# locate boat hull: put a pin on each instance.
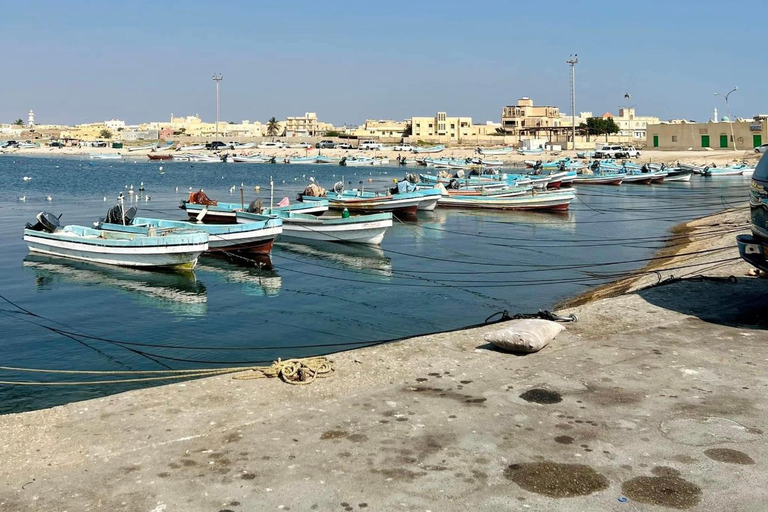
(370, 233)
(540, 202)
(180, 257)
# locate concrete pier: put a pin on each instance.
(654, 400)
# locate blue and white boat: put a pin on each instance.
(200, 207)
(495, 151)
(361, 229)
(300, 159)
(177, 250)
(255, 235)
(430, 149)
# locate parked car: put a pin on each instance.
(369, 144)
(217, 144)
(300, 145)
(344, 145)
(763, 148)
(609, 152)
(325, 144)
(403, 147)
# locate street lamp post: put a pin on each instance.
(217, 78)
(728, 107)
(572, 62)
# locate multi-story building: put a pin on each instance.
(631, 125)
(527, 115)
(301, 126)
(442, 128)
(381, 128)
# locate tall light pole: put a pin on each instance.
(572, 62)
(217, 78)
(728, 107)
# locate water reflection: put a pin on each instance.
(256, 274)
(368, 258)
(178, 292)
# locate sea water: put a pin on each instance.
(442, 270)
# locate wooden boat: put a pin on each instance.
(361, 229)
(542, 201)
(201, 207)
(155, 156)
(178, 250)
(256, 234)
(612, 179)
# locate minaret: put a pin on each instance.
(714, 119)
(31, 119)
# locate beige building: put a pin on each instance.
(88, 131)
(193, 126)
(442, 128)
(683, 135)
(632, 125)
(304, 126)
(381, 128)
(527, 115)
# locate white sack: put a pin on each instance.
(529, 335)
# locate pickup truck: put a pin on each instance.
(631, 152)
(369, 144)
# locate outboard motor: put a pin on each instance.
(753, 248)
(116, 215)
(338, 187)
(454, 184)
(46, 222)
(343, 161)
(412, 178)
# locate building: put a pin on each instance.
(379, 129)
(31, 119)
(632, 125)
(685, 135)
(527, 115)
(301, 126)
(115, 125)
(442, 128)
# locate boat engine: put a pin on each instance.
(115, 215)
(46, 222)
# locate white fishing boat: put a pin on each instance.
(255, 159)
(245, 145)
(205, 159)
(430, 149)
(362, 229)
(495, 151)
(193, 147)
(178, 250)
(146, 147)
(105, 156)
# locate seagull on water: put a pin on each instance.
(22, 198)
(48, 198)
(27, 178)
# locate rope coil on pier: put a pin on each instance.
(290, 371)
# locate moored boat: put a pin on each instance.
(361, 229)
(256, 234)
(584, 179)
(542, 201)
(178, 250)
(155, 156)
(105, 156)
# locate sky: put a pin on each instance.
(139, 61)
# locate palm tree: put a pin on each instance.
(18, 122)
(273, 126)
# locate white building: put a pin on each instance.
(115, 125)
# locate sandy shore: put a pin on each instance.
(654, 400)
(719, 157)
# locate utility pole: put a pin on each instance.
(728, 106)
(217, 78)
(572, 62)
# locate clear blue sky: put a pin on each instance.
(87, 61)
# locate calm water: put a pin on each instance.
(447, 269)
